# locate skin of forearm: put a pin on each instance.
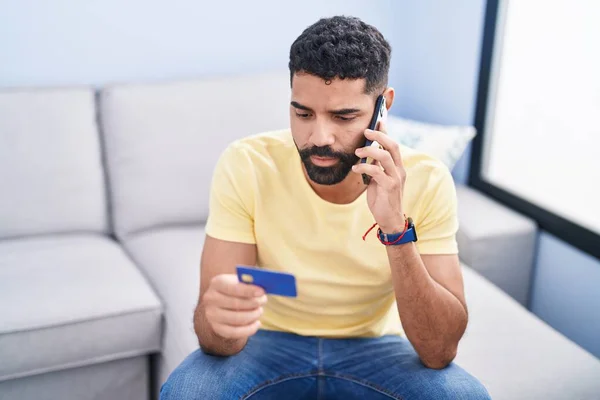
(433, 318)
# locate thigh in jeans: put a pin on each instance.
(389, 368)
(272, 365)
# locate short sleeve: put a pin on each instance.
(436, 230)
(231, 202)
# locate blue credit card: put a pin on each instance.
(277, 283)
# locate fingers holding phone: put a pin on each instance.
(377, 120)
(385, 143)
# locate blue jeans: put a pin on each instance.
(276, 365)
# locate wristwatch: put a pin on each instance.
(391, 239)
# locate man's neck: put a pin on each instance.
(344, 192)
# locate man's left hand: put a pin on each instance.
(384, 193)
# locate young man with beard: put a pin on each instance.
(376, 317)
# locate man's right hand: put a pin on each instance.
(233, 308)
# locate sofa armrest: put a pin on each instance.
(497, 242)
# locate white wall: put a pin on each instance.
(438, 63)
(66, 42)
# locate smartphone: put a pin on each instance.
(379, 114)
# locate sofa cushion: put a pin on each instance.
(171, 260)
(163, 141)
(518, 356)
(72, 300)
(51, 174)
(496, 241)
(447, 143)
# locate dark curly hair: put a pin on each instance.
(342, 47)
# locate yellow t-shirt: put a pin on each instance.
(260, 195)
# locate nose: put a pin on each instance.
(322, 134)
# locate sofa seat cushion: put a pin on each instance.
(518, 356)
(171, 260)
(72, 300)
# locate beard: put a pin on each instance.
(333, 174)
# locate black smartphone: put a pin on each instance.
(379, 114)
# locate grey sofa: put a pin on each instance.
(103, 196)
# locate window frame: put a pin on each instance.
(564, 229)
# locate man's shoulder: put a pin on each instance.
(265, 150)
(420, 161)
(423, 168)
(269, 143)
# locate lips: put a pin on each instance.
(324, 161)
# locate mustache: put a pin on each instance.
(324, 151)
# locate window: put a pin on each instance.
(538, 115)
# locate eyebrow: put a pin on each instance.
(343, 111)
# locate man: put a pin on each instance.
(295, 201)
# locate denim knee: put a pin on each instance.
(461, 386)
(192, 379)
(178, 385)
